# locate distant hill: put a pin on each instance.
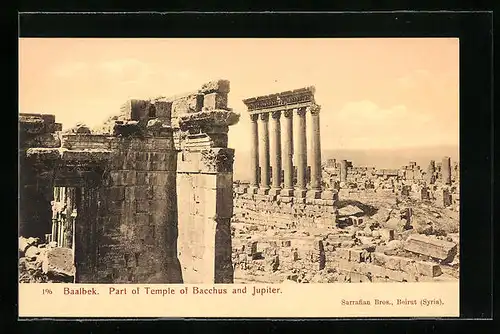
(394, 158)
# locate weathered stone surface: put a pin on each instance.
(393, 244)
(273, 262)
(163, 110)
(220, 86)
(343, 253)
(213, 101)
(187, 104)
(31, 252)
(386, 234)
(59, 262)
(428, 269)
(435, 248)
(24, 243)
(356, 255)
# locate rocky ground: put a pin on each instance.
(399, 241)
(44, 263)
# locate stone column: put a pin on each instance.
(315, 191)
(446, 170)
(254, 154)
(431, 169)
(276, 153)
(288, 154)
(300, 190)
(343, 170)
(264, 153)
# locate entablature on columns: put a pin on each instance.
(289, 100)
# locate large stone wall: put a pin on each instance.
(284, 212)
(35, 194)
(135, 180)
(137, 222)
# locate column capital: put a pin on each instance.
(301, 111)
(314, 109)
(276, 114)
(264, 116)
(288, 113)
(254, 117)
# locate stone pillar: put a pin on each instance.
(315, 191)
(288, 154)
(300, 190)
(205, 194)
(446, 170)
(431, 169)
(343, 170)
(276, 152)
(85, 236)
(254, 154)
(264, 153)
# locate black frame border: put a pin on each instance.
(475, 31)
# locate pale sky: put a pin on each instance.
(375, 93)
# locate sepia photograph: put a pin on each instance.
(316, 161)
(214, 166)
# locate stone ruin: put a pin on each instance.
(148, 198)
(286, 181)
(299, 220)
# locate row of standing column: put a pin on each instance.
(271, 157)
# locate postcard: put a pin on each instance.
(246, 177)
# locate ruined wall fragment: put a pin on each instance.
(205, 188)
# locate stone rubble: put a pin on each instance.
(44, 263)
(375, 250)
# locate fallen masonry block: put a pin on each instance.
(59, 262)
(356, 255)
(339, 237)
(374, 270)
(358, 278)
(347, 244)
(31, 252)
(345, 265)
(390, 262)
(23, 244)
(396, 275)
(409, 267)
(393, 244)
(344, 253)
(386, 234)
(428, 269)
(251, 248)
(435, 248)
